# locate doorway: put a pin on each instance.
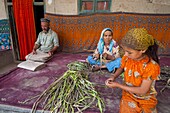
(38, 14)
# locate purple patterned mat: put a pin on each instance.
(20, 84)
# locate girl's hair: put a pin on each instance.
(152, 52)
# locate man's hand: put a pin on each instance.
(50, 53)
(34, 51)
(35, 48)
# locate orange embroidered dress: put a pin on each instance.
(135, 72)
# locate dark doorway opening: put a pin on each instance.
(38, 14)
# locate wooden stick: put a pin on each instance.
(90, 51)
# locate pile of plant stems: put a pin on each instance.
(71, 93)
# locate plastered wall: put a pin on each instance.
(141, 6)
(62, 7)
(69, 7)
(2, 10)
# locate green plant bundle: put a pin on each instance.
(71, 93)
(78, 66)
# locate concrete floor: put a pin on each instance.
(7, 62)
(7, 68)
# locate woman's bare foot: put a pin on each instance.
(95, 68)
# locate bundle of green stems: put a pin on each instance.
(71, 93)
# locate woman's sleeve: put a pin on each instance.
(96, 52)
(116, 52)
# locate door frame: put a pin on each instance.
(13, 32)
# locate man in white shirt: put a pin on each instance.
(46, 44)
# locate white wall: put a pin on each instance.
(2, 10)
(141, 6)
(70, 7)
(66, 7)
(166, 2)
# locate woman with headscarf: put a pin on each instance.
(141, 69)
(106, 54)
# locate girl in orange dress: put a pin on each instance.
(141, 69)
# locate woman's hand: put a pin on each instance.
(105, 56)
(110, 57)
(96, 56)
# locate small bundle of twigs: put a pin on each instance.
(71, 93)
(78, 66)
(165, 75)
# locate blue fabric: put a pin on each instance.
(5, 42)
(110, 66)
(92, 61)
(100, 45)
(113, 64)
